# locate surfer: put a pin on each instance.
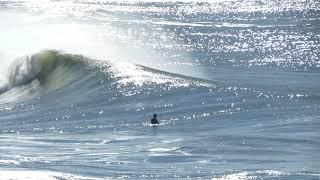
(154, 120)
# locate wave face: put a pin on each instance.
(41, 73)
(39, 66)
(234, 84)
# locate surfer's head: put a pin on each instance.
(154, 116)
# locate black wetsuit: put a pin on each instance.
(154, 121)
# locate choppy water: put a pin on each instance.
(235, 85)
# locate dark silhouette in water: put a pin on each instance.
(154, 120)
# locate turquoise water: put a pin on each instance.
(235, 85)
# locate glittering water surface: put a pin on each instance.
(235, 85)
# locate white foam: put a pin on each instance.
(163, 149)
(237, 176)
(99, 154)
(6, 161)
(40, 175)
(249, 175)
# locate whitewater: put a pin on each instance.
(235, 85)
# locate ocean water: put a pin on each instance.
(235, 84)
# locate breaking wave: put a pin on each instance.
(52, 70)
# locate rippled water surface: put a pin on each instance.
(235, 85)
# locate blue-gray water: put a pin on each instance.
(235, 84)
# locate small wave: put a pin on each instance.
(265, 174)
(33, 175)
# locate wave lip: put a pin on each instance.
(48, 70)
(40, 66)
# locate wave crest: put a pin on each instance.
(40, 66)
(50, 68)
